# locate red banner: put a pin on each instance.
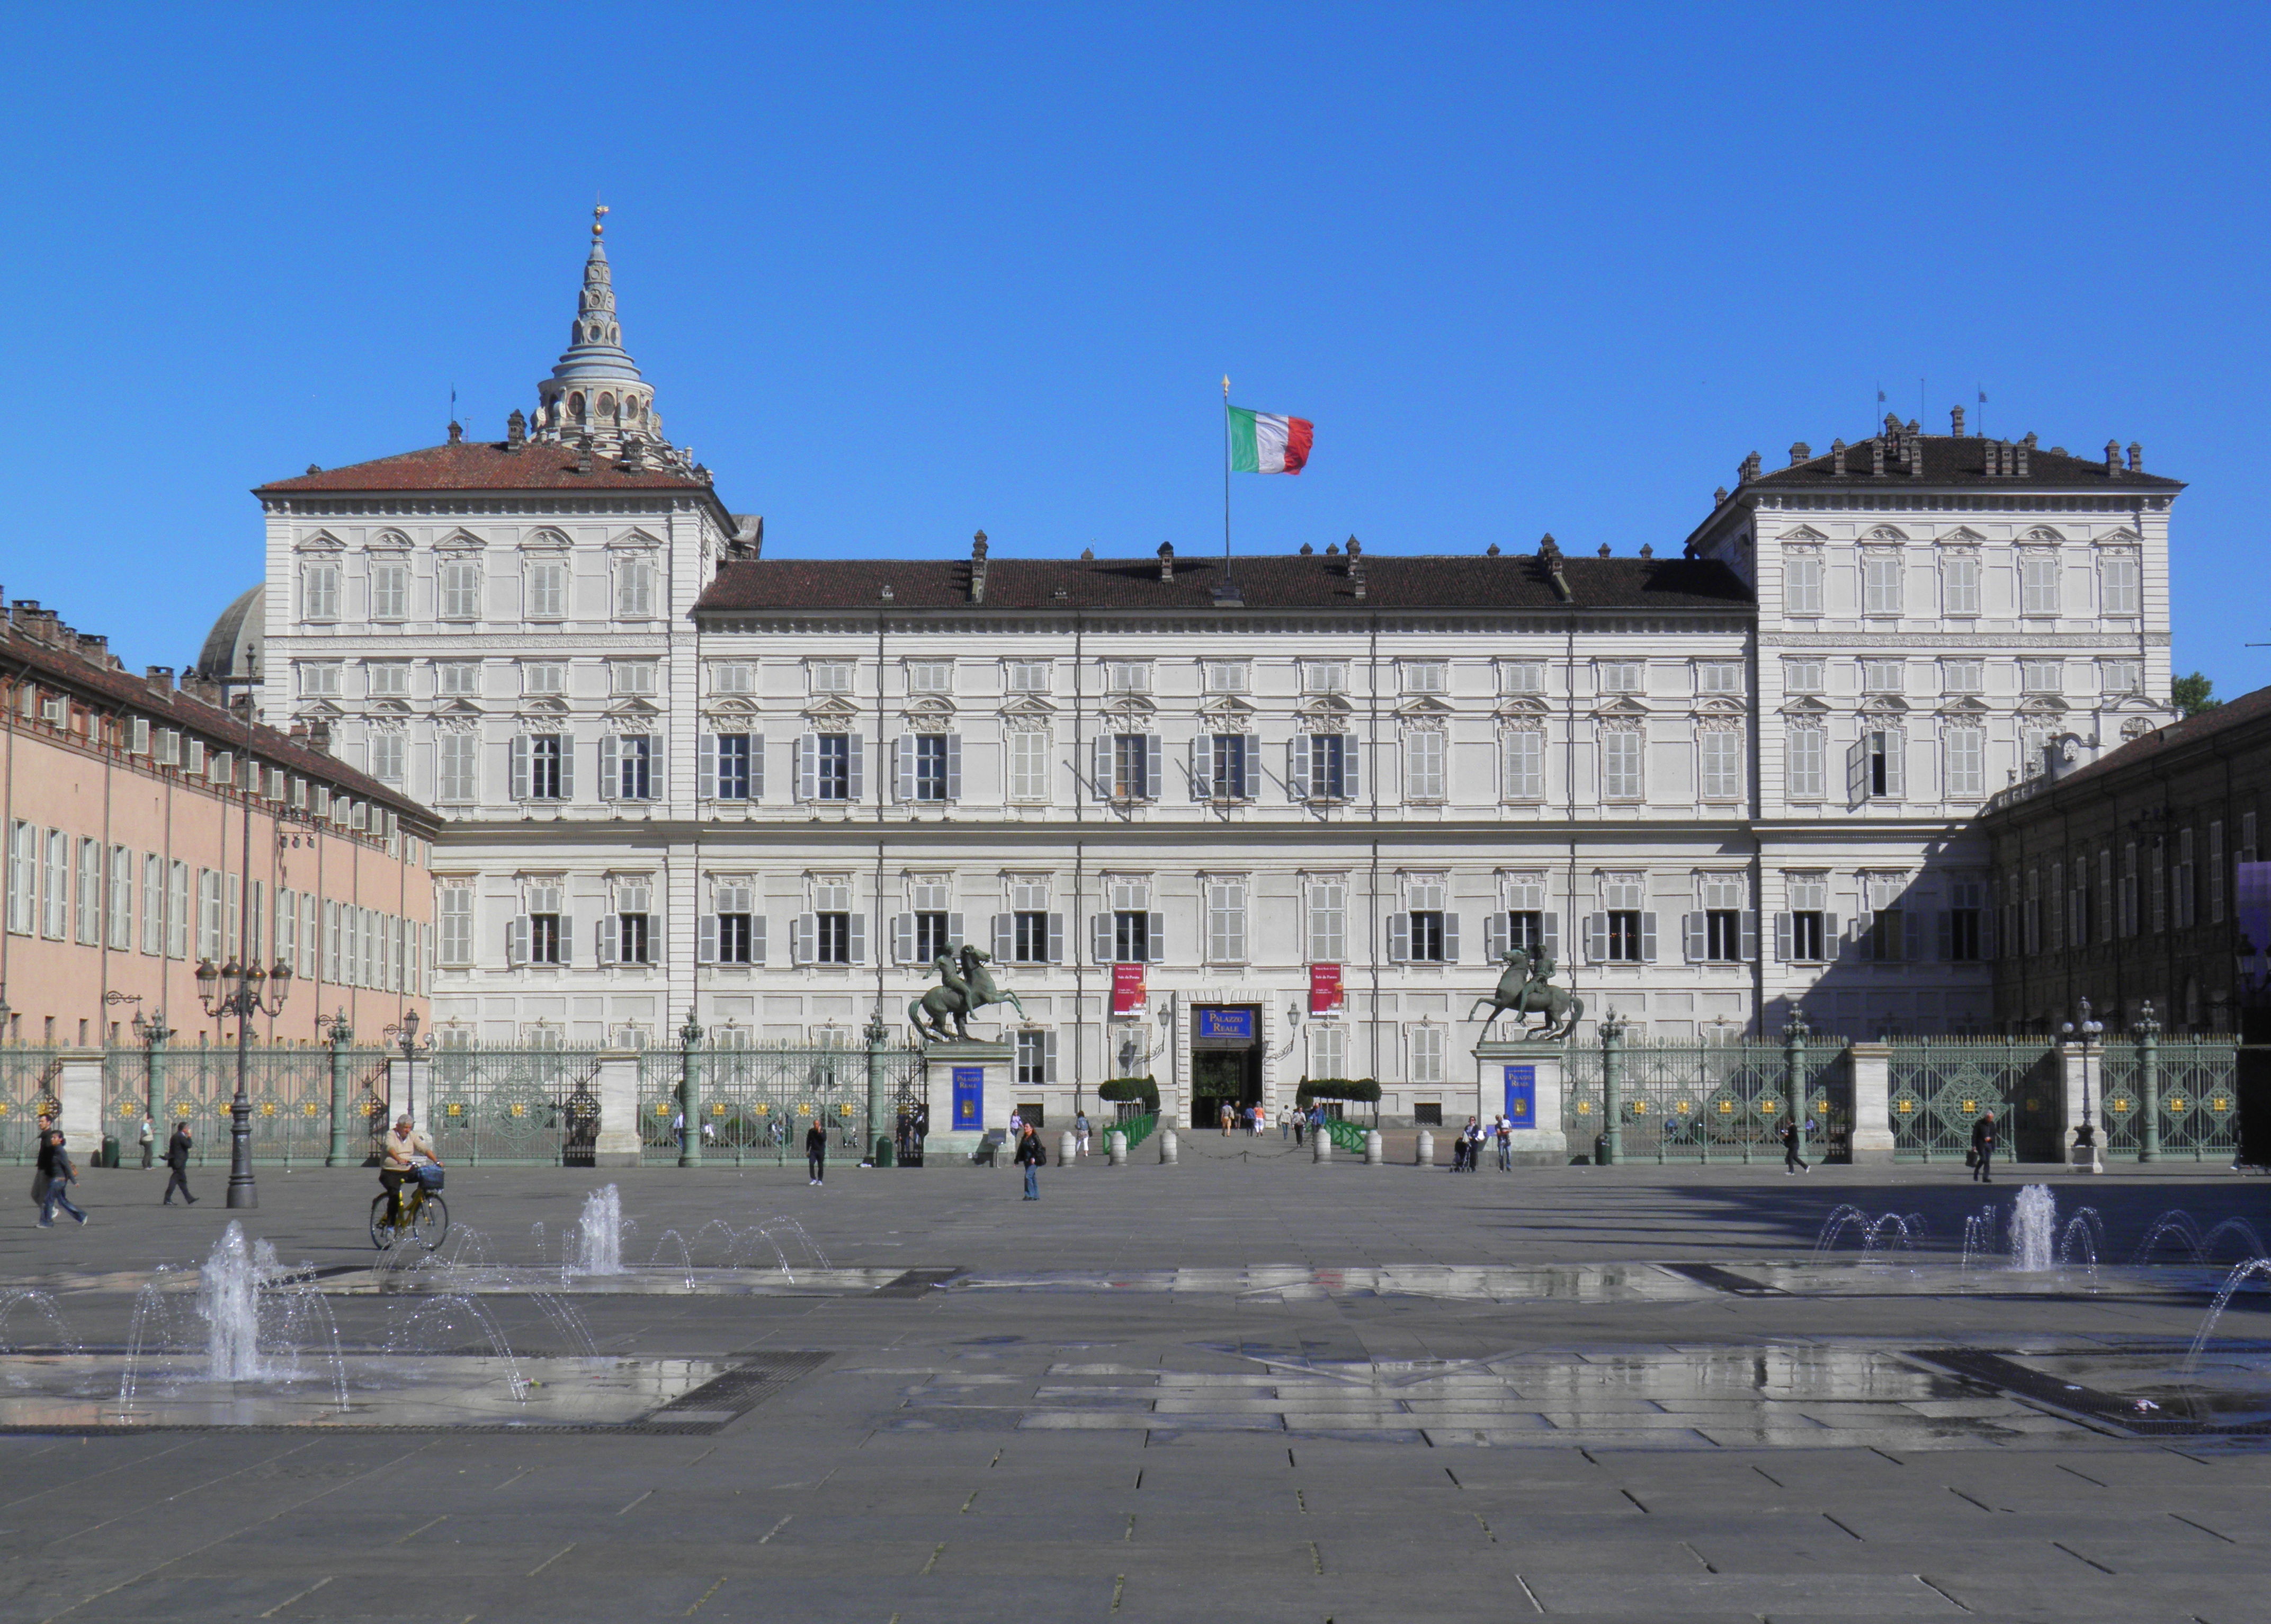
(1324, 989)
(1128, 996)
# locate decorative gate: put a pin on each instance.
(520, 1106)
(289, 1091)
(2197, 1082)
(27, 1091)
(1938, 1087)
(1708, 1102)
(757, 1103)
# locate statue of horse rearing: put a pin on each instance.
(958, 997)
(1518, 993)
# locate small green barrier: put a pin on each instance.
(1347, 1135)
(1137, 1129)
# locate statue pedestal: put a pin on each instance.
(969, 1088)
(1524, 1079)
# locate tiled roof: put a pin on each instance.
(2249, 709)
(1948, 460)
(65, 669)
(1280, 581)
(485, 465)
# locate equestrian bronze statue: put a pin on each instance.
(966, 987)
(1527, 989)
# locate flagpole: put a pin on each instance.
(1225, 479)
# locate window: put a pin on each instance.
(627, 766)
(929, 766)
(1327, 1050)
(388, 679)
(1427, 932)
(390, 589)
(1032, 941)
(1131, 936)
(2116, 678)
(1225, 909)
(2181, 883)
(1875, 767)
(832, 937)
(930, 930)
(1620, 763)
(1718, 676)
(1426, 1046)
(457, 921)
(457, 757)
(288, 927)
(548, 588)
(1126, 677)
(1966, 917)
(2105, 915)
(1965, 766)
(1716, 932)
(1623, 932)
(1963, 676)
(1423, 765)
(1959, 583)
(457, 678)
(89, 912)
(540, 763)
(2042, 676)
(319, 678)
(319, 590)
(547, 942)
(2119, 575)
(1029, 764)
(1882, 676)
(460, 583)
(930, 676)
(1328, 921)
(732, 676)
(1036, 1059)
(1801, 591)
(826, 770)
(1028, 676)
(633, 676)
(1425, 677)
(1524, 756)
(1323, 767)
(55, 882)
(628, 938)
(1324, 676)
(386, 750)
(1801, 676)
(154, 905)
(2216, 873)
(1880, 583)
(1130, 777)
(1221, 765)
(830, 676)
(23, 877)
(1521, 676)
(2038, 582)
(177, 911)
(1803, 935)
(731, 778)
(1618, 676)
(635, 582)
(1719, 757)
(209, 916)
(1886, 939)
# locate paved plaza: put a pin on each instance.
(1245, 1387)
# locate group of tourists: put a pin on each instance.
(1467, 1148)
(55, 1171)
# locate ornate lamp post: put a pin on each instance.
(2085, 1138)
(881, 1132)
(689, 1094)
(405, 1034)
(338, 1034)
(151, 1034)
(1613, 1126)
(255, 991)
(2148, 1028)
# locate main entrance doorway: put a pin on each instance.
(1225, 1059)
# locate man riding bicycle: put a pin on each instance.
(402, 1149)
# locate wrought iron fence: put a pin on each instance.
(1722, 1101)
(2198, 1098)
(289, 1090)
(1938, 1087)
(511, 1105)
(28, 1084)
(757, 1104)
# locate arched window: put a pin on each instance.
(575, 404)
(606, 405)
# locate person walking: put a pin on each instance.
(1031, 1157)
(1982, 1148)
(815, 1152)
(1793, 1141)
(1504, 1145)
(61, 1176)
(1080, 1133)
(1300, 1121)
(1226, 1119)
(177, 1158)
(147, 1139)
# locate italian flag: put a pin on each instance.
(1261, 444)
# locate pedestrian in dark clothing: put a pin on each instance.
(1031, 1157)
(1982, 1148)
(177, 1158)
(1792, 1142)
(61, 1175)
(147, 1139)
(815, 1152)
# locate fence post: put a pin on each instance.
(79, 1100)
(881, 1129)
(339, 1035)
(617, 1084)
(690, 1095)
(1872, 1065)
(1612, 1127)
(2148, 1085)
(154, 1062)
(1793, 1071)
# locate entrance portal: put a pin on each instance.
(1226, 1060)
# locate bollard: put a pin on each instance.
(1167, 1147)
(1426, 1157)
(1067, 1145)
(1373, 1152)
(1321, 1148)
(1115, 1147)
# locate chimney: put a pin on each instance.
(2112, 456)
(1719, 496)
(160, 679)
(978, 568)
(1167, 561)
(1750, 470)
(456, 432)
(1550, 550)
(319, 736)
(583, 455)
(1877, 458)
(1356, 565)
(1913, 444)
(1489, 552)
(1837, 458)
(748, 535)
(632, 459)
(516, 431)
(2029, 442)
(1605, 549)
(2136, 457)
(1800, 453)
(1647, 550)
(2019, 455)
(1956, 421)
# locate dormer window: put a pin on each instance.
(1618, 676)
(1324, 676)
(1228, 676)
(930, 676)
(1425, 677)
(830, 676)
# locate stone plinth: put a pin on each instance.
(616, 1084)
(1872, 1066)
(969, 1087)
(1525, 1081)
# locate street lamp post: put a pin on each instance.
(405, 1032)
(2085, 1138)
(1612, 1124)
(2148, 1028)
(689, 1099)
(338, 1034)
(151, 1034)
(882, 1132)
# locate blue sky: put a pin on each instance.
(902, 273)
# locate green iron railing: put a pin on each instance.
(1344, 1136)
(2193, 1086)
(1722, 1101)
(1938, 1087)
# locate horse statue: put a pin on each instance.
(966, 987)
(1527, 989)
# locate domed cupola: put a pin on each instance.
(596, 390)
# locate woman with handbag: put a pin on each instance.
(1982, 1148)
(61, 1176)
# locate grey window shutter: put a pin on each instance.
(567, 766)
(757, 766)
(1647, 938)
(1351, 763)
(756, 938)
(1943, 935)
(859, 938)
(611, 780)
(519, 769)
(1399, 938)
(516, 941)
(1158, 932)
(656, 754)
(855, 749)
(1049, 1056)
(1450, 938)
(1692, 928)
(705, 771)
(903, 938)
(1202, 768)
(1897, 765)
(807, 945)
(567, 938)
(1498, 934)
(1248, 768)
(1296, 767)
(1750, 936)
(1783, 947)
(705, 940)
(903, 770)
(954, 766)
(1986, 933)
(1596, 938)
(1857, 772)
(1056, 938)
(1101, 766)
(605, 940)
(1155, 773)
(1005, 938)
(1100, 937)
(1912, 940)
(808, 767)
(1829, 937)
(1551, 938)
(954, 929)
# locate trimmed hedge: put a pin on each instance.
(1357, 1091)
(1129, 1091)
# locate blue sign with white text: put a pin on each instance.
(1226, 1024)
(969, 1096)
(1522, 1096)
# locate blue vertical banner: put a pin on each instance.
(969, 1098)
(1522, 1096)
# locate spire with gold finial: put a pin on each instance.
(596, 390)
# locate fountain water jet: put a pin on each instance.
(600, 1236)
(2034, 1217)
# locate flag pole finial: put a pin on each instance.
(1225, 386)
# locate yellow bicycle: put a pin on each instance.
(425, 1216)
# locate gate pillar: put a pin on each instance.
(1872, 1066)
(79, 1091)
(616, 1084)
